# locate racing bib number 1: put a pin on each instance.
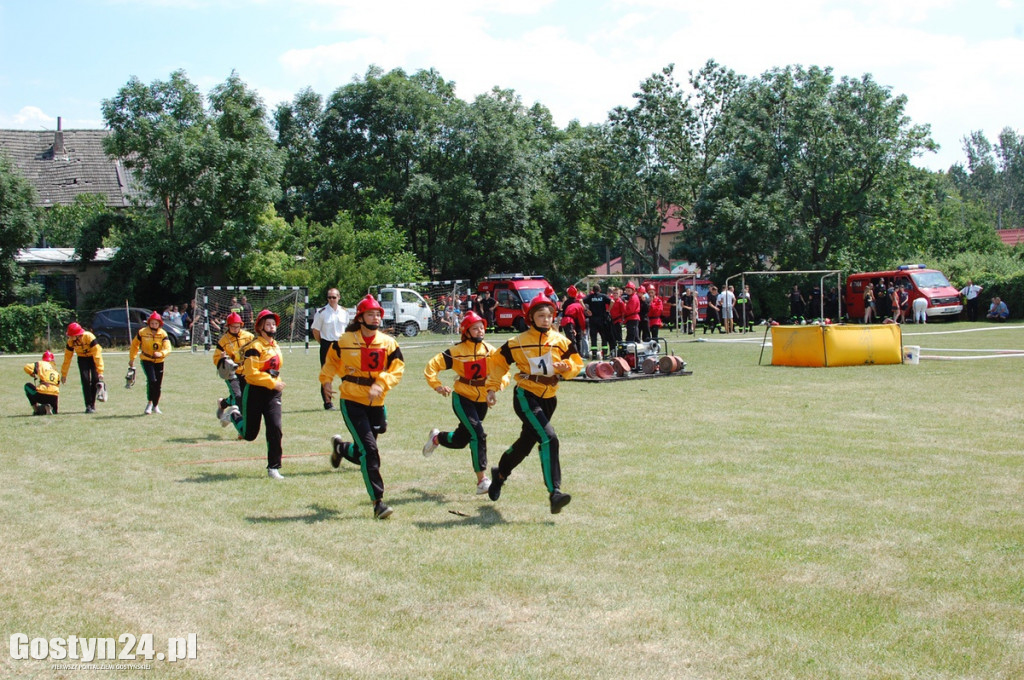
(542, 365)
(371, 359)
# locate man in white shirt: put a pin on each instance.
(328, 324)
(727, 302)
(970, 293)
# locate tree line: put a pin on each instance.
(394, 177)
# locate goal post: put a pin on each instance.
(818, 306)
(214, 303)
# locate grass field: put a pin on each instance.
(743, 522)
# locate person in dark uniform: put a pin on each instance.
(90, 363)
(369, 364)
(599, 321)
(44, 391)
(543, 357)
(261, 394)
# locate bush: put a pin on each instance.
(28, 329)
(1000, 273)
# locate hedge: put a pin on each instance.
(26, 329)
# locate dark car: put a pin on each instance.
(110, 326)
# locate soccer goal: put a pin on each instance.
(214, 303)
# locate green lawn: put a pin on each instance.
(743, 522)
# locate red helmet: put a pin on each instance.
(367, 303)
(468, 319)
(155, 317)
(263, 315)
(75, 329)
(572, 292)
(630, 285)
(538, 302)
(233, 317)
(549, 291)
(47, 355)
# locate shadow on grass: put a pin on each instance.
(318, 513)
(210, 437)
(486, 517)
(205, 477)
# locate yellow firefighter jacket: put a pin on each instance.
(534, 354)
(361, 363)
(154, 345)
(469, 361)
(47, 375)
(261, 365)
(83, 345)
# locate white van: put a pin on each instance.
(405, 310)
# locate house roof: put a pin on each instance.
(55, 256)
(1011, 237)
(62, 164)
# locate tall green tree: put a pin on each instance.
(816, 171)
(297, 125)
(207, 174)
(657, 157)
(18, 224)
(994, 176)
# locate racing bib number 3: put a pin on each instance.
(371, 359)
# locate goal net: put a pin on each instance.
(424, 306)
(214, 303)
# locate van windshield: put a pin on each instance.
(529, 293)
(930, 280)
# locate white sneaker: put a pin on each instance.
(274, 473)
(483, 486)
(229, 415)
(428, 448)
(149, 409)
(156, 409)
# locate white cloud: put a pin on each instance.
(29, 117)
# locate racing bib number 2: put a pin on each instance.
(542, 365)
(475, 370)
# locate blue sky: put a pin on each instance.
(960, 63)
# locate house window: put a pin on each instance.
(60, 288)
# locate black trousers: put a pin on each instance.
(90, 378)
(365, 423)
(470, 431)
(972, 309)
(36, 397)
(535, 413)
(154, 380)
(633, 330)
(325, 347)
(600, 327)
(261, 404)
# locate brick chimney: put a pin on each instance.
(58, 142)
